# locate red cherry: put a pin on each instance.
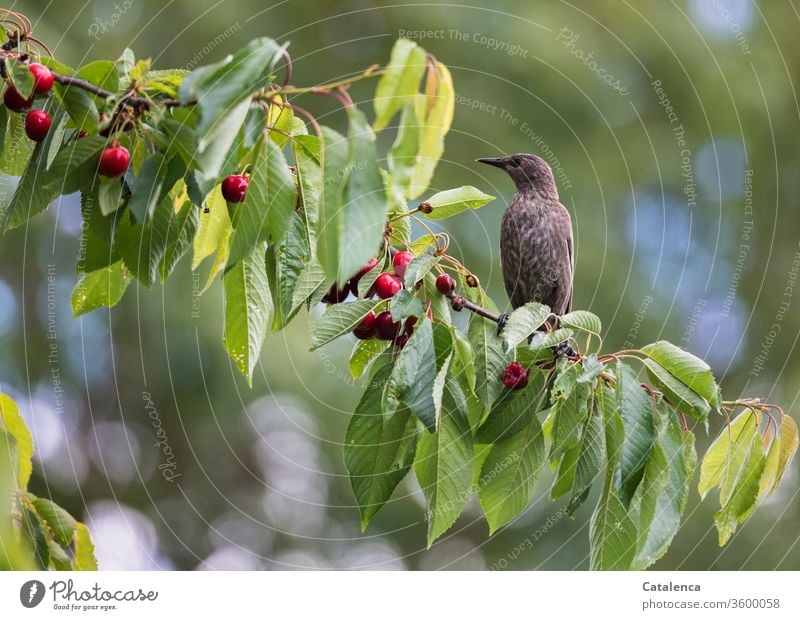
(361, 273)
(14, 101)
(387, 285)
(114, 161)
(37, 124)
(515, 377)
(401, 341)
(337, 295)
(42, 78)
(366, 329)
(386, 327)
(409, 325)
(400, 262)
(445, 284)
(234, 187)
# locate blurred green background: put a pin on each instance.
(687, 228)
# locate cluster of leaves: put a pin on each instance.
(37, 533)
(318, 207)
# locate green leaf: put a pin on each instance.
(156, 178)
(399, 82)
(248, 311)
(20, 76)
(679, 395)
(688, 369)
(103, 288)
(306, 152)
(583, 321)
(435, 112)
(490, 357)
(220, 86)
(97, 235)
(30, 197)
(590, 369)
(591, 455)
(723, 460)
(33, 533)
(365, 352)
(214, 226)
(340, 319)
(84, 549)
(75, 166)
(266, 213)
(289, 258)
(612, 534)
(509, 473)
(781, 452)
(403, 153)
(570, 408)
(353, 213)
(664, 489)
(17, 148)
(522, 323)
(404, 304)
(101, 73)
(740, 503)
(636, 410)
(412, 380)
(13, 423)
(418, 267)
(80, 106)
(510, 413)
(444, 463)
(108, 193)
(454, 201)
(143, 246)
(180, 233)
(60, 522)
(378, 449)
(545, 340)
(565, 474)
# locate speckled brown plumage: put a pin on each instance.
(536, 250)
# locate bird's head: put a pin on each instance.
(528, 171)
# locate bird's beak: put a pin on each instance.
(500, 162)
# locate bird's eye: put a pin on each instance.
(514, 162)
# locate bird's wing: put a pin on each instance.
(571, 252)
(568, 304)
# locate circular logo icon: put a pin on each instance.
(31, 593)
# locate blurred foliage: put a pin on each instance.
(262, 483)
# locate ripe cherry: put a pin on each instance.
(234, 187)
(387, 285)
(114, 161)
(445, 284)
(386, 327)
(42, 78)
(14, 101)
(401, 341)
(515, 376)
(37, 124)
(400, 262)
(366, 329)
(337, 295)
(409, 325)
(361, 273)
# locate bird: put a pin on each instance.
(536, 249)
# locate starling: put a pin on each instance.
(535, 236)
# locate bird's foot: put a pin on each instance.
(564, 349)
(501, 323)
